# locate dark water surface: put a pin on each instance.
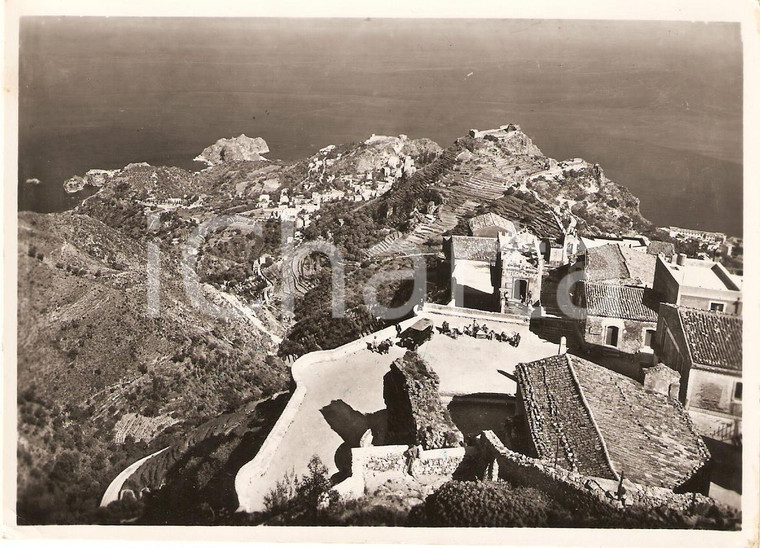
(658, 105)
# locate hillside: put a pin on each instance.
(105, 378)
(93, 364)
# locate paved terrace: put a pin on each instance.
(341, 395)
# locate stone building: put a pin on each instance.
(620, 318)
(491, 225)
(471, 277)
(495, 274)
(694, 283)
(706, 349)
(587, 419)
(518, 272)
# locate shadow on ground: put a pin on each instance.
(480, 300)
(474, 413)
(727, 464)
(351, 425)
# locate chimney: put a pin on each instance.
(663, 380)
(681, 259)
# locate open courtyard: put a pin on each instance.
(344, 393)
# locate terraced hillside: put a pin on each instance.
(104, 379)
(511, 177)
(92, 358)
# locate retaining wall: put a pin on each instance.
(459, 311)
(390, 458)
(559, 483)
(114, 488)
(253, 471)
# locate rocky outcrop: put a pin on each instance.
(93, 178)
(416, 415)
(510, 139)
(235, 149)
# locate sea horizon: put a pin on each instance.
(160, 91)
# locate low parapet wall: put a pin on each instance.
(114, 488)
(557, 482)
(462, 312)
(250, 491)
(390, 458)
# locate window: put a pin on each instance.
(716, 307)
(612, 336)
(738, 391)
(648, 338)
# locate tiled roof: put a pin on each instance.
(561, 426)
(607, 423)
(619, 263)
(531, 212)
(640, 266)
(656, 247)
(714, 339)
(491, 219)
(605, 263)
(649, 437)
(621, 301)
(473, 248)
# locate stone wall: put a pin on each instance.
(390, 458)
(249, 486)
(431, 308)
(713, 391)
(442, 462)
(557, 482)
(416, 415)
(663, 380)
(630, 332)
(113, 492)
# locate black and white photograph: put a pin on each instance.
(405, 272)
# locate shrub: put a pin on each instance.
(300, 501)
(277, 499)
(365, 512)
(484, 504)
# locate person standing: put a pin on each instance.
(411, 454)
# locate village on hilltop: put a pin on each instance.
(606, 365)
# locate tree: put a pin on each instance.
(298, 501)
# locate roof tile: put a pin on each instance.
(621, 301)
(715, 339)
(491, 219)
(620, 263)
(473, 248)
(647, 436)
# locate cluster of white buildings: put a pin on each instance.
(716, 243)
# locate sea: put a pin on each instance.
(657, 104)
